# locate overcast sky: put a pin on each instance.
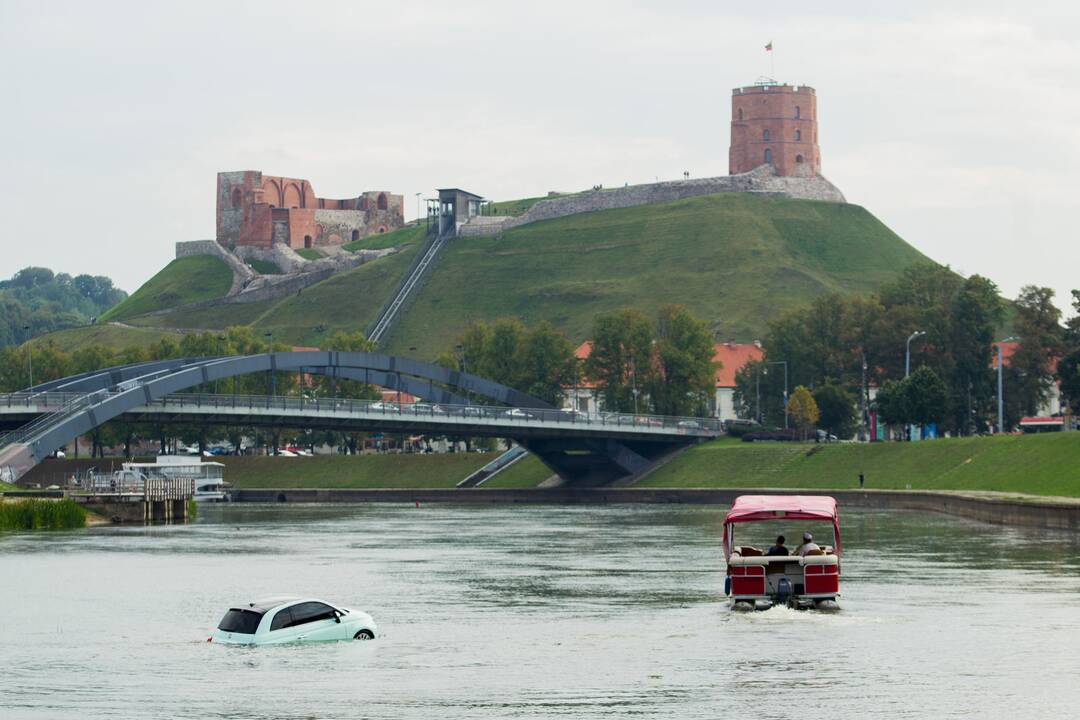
(954, 123)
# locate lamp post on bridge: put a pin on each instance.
(29, 355)
(907, 366)
(270, 349)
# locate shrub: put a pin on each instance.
(41, 514)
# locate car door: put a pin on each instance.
(282, 629)
(314, 621)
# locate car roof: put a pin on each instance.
(272, 602)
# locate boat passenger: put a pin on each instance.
(778, 548)
(808, 545)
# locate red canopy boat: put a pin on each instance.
(807, 577)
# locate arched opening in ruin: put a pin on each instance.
(768, 156)
(355, 235)
(798, 158)
(237, 196)
(382, 229)
(765, 136)
(740, 113)
(798, 112)
(307, 241)
(381, 202)
(798, 136)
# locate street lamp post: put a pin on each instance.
(784, 363)
(907, 352)
(907, 366)
(1000, 394)
(29, 355)
(633, 384)
(464, 369)
(270, 348)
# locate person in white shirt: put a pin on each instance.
(808, 545)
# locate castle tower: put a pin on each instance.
(775, 125)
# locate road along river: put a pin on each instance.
(535, 612)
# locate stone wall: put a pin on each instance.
(760, 181)
(242, 274)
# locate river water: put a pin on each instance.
(535, 612)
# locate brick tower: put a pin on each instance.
(775, 125)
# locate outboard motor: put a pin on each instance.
(783, 591)
(727, 585)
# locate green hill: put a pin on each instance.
(184, 281)
(736, 260)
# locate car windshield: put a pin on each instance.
(241, 621)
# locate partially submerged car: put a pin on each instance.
(758, 580)
(291, 619)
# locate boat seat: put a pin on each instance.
(749, 551)
(753, 560)
(819, 560)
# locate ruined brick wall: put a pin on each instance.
(259, 210)
(775, 124)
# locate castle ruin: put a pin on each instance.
(259, 210)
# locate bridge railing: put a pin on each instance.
(502, 414)
(53, 406)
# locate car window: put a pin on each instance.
(238, 620)
(283, 619)
(310, 612)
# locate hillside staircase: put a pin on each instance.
(493, 468)
(413, 280)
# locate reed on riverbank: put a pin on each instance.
(41, 514)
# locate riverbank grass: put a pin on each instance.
(1046, 464)
(354, 471)
(41, 514)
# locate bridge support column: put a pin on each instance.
(588, 463)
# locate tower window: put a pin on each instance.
(768, 156)
(765, 136)
(798, 112)
(381, 202)
(798, 158)
(236, 197)
(798, 135)
(740, 113)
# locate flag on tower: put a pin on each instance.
(768, 47)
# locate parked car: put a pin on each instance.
(689, 425)
(291, 619)
(384, 407)
(517, 414)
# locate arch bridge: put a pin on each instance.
(580, 448)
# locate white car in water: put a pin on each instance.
(291, 619)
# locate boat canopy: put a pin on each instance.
(748, 508)
(751, 508)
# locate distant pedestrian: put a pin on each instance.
(861, 481)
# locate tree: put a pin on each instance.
(927, 397)
(803, 410)
(837, 407)
(891, 403)
(1068, 368)
(976, 311)
(1041, 344)
(544, 364)
(621, 358)
(684, 370)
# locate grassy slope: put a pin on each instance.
(348, 301)
(1047, 464)
(525, 473)
(183, 281)
(357, 471)
(736, 260)
(103, 334)
(402, 236)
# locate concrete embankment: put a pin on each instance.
(1027, 511)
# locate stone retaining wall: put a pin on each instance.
(1001, 511)
(242, 274)
(760, 181)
